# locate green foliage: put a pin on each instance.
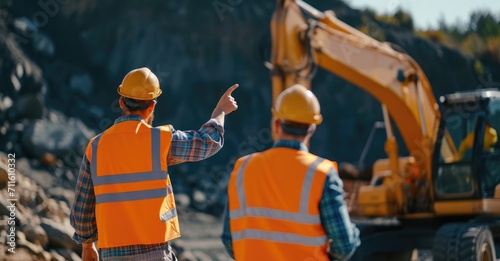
(473, 45)
(478, 37)
(437, 37)
(371, 28)
(478, 68)
(492, 51)
(400, 19)
(374, 24)
(484, 24)
(404, 19)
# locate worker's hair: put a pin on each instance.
(295, 128)
(136, 105)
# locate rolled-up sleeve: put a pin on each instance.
(343, 234)
(189, 146)
(82, 215)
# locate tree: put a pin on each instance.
(484, 24)
(404, 19)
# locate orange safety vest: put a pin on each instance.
(273, 206)
(134, 197)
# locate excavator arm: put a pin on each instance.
(392, 77)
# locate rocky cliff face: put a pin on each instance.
(61, 61)
(198, 50)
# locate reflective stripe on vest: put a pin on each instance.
(302, 217)
(155, 174)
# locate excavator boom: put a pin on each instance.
(441, 189)
(392, 77)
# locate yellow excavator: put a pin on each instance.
(438, 197)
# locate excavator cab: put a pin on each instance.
(467, 156)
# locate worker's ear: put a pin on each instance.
(120, 102)
(275, 128)
(275, 125)
(151, 106)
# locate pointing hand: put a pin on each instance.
(226, 104)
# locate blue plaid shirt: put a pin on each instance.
(343, 234)
(186, 146)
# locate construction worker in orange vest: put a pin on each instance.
(286, 203)
(124, 199)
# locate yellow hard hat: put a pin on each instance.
(140, 84)
(298, 104)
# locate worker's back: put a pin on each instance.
(134, 197)
(273, 202)
(130, 144)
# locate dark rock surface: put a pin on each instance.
(61, 62)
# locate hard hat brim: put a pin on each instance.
(315, 119)
(154, 96)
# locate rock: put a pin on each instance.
(64, 195)
(68, 254)
(179, 248)
(14, 80)
(33, 81)
(21, 254)
(35, 250)
(56, 256)
(28, 198)
(36, 235)
(5, 103)
(64, 209)
(70, 176)
(182, 200)
(29, 106)
(43, 136)
(48, 159)
(55, 116)
(25, 27)
(199, 200)
(178, 245)
(5, 207)
(10, 141)
(39, 177)
(187, 256)
(51, 209)
(3, 226)
(208, 196)
(43, 45)
(81, 84)
(59, 233)
(64, 139)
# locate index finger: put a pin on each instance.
(231, 89)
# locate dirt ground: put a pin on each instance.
(200, 237)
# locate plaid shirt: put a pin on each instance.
(343, 234)
(186, 146)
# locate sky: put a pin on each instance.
(426, 13)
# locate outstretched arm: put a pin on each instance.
(189, 146)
